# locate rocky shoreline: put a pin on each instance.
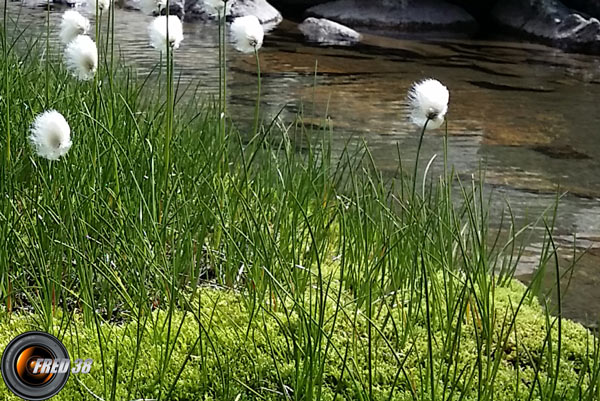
(571, 25)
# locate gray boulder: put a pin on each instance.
(549, 21)
(265, 12)
(327, 32)
(196, 10)
(176, 7)
(395, 15)
(130, 4)
(52, 3)
(70, 3)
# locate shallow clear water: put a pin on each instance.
(528, 114)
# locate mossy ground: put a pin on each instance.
(229, 356)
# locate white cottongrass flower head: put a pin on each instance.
(158, 32)
(247, 33)
(81, 57)
(73, 24)
(429, 102)
(218, 7)
(103, 5)
(50, 135)
(150, 7)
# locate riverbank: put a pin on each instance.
(258, 259)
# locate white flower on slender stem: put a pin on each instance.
(103, 5)
(73, 24)
(217, 7)
(247, 34)
(150, 7)
(158, 32)
(429, 102)
(50, 135)
(81, 57)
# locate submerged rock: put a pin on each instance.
(398, 16)
(550, 21)
(558, 151)
(327, 32)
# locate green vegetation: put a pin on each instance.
(229, 355)
(243, 266)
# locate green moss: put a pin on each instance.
(231, 355)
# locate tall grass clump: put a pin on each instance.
(207, 261)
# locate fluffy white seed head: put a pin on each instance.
(429, 101)
(81, 58)
(73, 24)
(247, 34)
(151, 7)
(158, 32)
(103, 5)
(217, 7)
(50, 135)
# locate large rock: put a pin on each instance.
(197, 10)
(176, 7)
(265, 12)
(549, 21)
(51, 3)
(396, 15)
(268, 15)
(326, 32)
(295, 4)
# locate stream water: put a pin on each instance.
(527, 114)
